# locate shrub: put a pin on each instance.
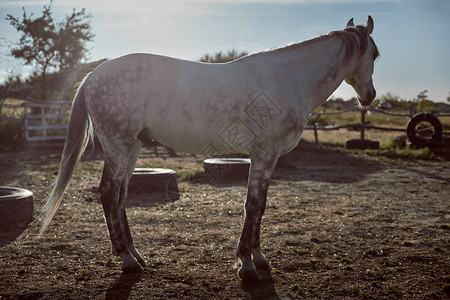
(11, 134)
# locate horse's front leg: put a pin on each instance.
(249, 251)
(258, 257)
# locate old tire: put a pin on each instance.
(362, 144)
(421, 135)
(16, 205)
(152, 185)
(227, 168)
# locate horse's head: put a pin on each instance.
(361, 77)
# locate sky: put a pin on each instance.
(412, 35)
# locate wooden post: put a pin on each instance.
(44, 122)
(363, 122)
(315, 134)
(25, 121)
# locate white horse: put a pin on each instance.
(257, 105)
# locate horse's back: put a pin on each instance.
(186, 105)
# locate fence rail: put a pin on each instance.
(48, 121)
(41, 121)
(45, 121)
(363, 125)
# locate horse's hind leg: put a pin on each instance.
(114, 178)
(122, 203)
(249, 251)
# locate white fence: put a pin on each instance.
(41, 121)
(45, 121)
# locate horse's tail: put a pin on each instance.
(78, 132)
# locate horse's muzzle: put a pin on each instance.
(368, 97)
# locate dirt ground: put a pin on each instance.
(338, 225)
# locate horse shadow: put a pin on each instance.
(265, 289)
(122, 287)
(308, 162)
(9, 233)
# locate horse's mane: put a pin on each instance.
(353, 38)
(355, 41)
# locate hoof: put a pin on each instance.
(249, 276)
(263, 265)
(132, 268)
(131, 265)
(260, 261)
(138, 256)
(141, 262)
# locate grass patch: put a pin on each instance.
(392, 144)
(87, 167)
(389, 147)
(195, 176)
(407, 153)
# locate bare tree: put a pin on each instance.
(219, 57)
(48, 46)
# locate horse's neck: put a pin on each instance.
(319, 69)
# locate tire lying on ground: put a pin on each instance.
(152, 185)
(16, 205)
(424, 136)
(227, 168)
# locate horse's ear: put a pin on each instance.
(350, 23)
(369, 25)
